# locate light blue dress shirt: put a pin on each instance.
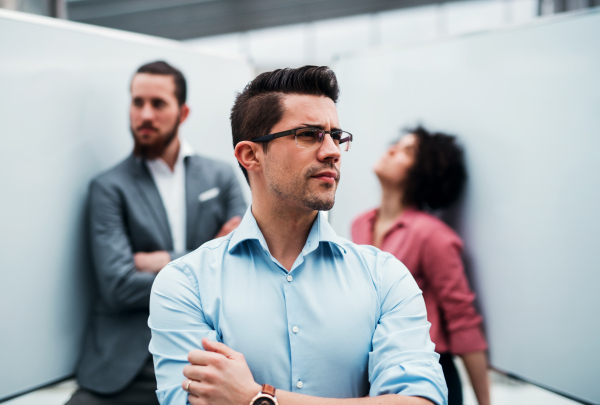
(346, 321)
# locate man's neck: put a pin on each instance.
(169, 156)
(284, 230)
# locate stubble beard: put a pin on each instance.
(156, 149)
(299, 190)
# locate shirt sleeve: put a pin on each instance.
(403, 360)
(444, 271)
(178, 325)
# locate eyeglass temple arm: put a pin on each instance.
(270, 137)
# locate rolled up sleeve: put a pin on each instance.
(443, 267)
(178, 325)
(402, 360)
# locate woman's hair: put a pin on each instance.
(438, 174)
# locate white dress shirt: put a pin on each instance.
(171, 187)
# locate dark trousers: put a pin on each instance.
(141, 391)
(455, 396)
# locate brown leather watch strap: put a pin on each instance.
(268, 389)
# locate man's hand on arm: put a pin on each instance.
(151, 262)
(219, 375)
(229, 226)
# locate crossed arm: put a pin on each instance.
(125, 278)
(153, 262)
(218, 375)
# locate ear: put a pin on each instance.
(249, 155)
(185, 111)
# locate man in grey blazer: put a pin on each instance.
(160, 203)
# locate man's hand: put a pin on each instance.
(218, 375)
(229, 226)
(152, 262)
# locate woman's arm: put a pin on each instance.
(476, 365)
(444, 271)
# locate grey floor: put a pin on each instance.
(505, 391)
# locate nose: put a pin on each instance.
(147, 112)
(329, 150)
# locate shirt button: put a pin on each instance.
(289, 278)
(299, 384)
(295, 330)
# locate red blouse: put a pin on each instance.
(432, 253)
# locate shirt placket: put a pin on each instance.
(292, 292)
(293, 304)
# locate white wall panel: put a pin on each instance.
(525, 102)
(64, 100)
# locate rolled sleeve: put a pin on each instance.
(443, 267)
(403, 360)
(178, 325)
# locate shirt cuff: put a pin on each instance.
(467, 341)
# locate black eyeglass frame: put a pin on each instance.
(270, 137)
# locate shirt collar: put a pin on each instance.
(185, 150)
(404, 219)
(321, 231)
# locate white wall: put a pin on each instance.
(64, 97)
(525, 102)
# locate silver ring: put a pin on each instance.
(187, 387)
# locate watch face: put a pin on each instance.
(264, 401)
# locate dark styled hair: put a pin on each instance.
(163, 68)
(259, 106)
(438, 174)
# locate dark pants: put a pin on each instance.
(455, 396)
(141, 391)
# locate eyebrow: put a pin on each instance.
(320, 127)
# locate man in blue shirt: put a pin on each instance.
(283, 301)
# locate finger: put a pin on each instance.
(227, 229)
(218, 347)
(186, 385)
(231, 226)
(195, 373)
(138, 258)
(194, 400)
(202, 357)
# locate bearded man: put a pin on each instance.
(282, 311)
(158, 204)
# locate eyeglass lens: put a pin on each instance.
(310, 137)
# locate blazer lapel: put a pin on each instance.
(194, 185)
(151, 197)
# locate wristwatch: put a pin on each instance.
(266, 396)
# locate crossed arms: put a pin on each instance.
(218, 375)
(401, 360)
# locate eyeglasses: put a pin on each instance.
(312, 137)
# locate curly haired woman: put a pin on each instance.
(425, 171)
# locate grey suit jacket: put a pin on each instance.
(127, 216)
